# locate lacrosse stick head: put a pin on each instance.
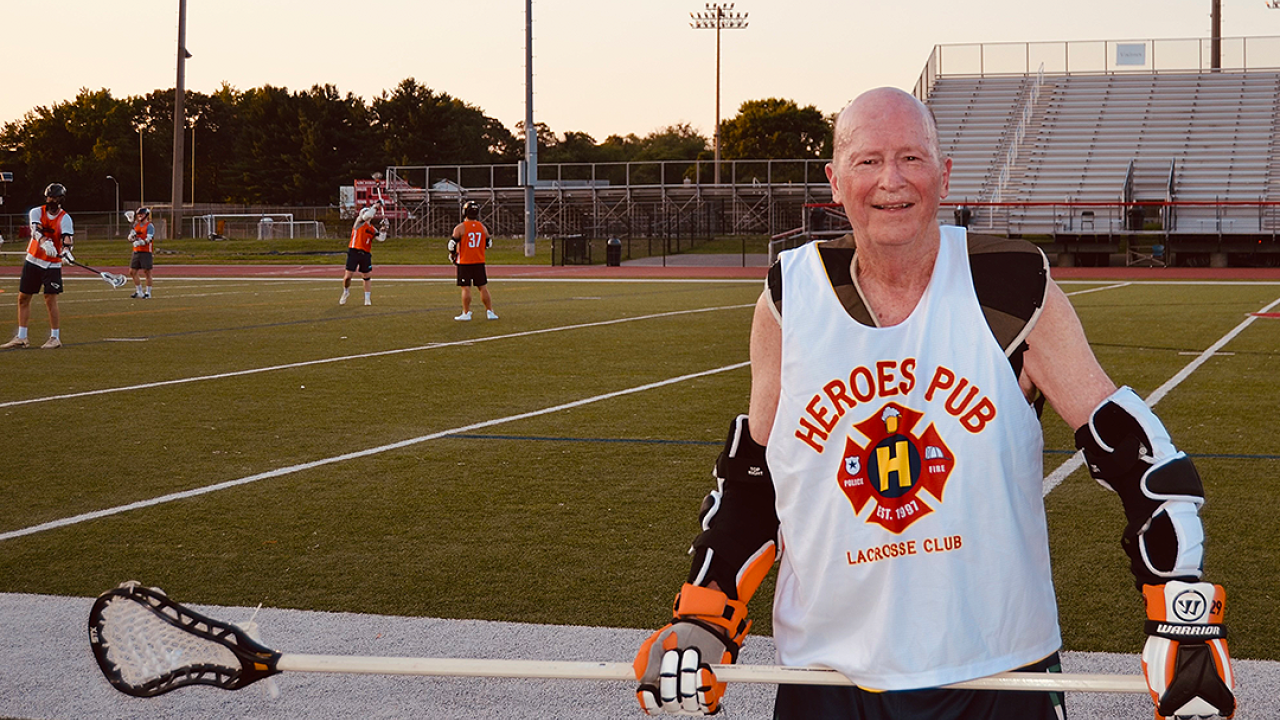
(147, 645)
(117, 281)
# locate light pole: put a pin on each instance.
(718, 17)
(193, 119)
(179, 124)
(115, 218)
(530, 141)
(142, 187)
(1215, 31)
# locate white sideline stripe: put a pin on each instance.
(1098, 289)
(76, 519)
(1055, 478)
(361, 356)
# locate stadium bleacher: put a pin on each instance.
(1197, 150)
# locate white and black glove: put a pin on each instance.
(66, 254)
(49, 248)
(139, 243)
(133, 234)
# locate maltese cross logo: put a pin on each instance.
(893, 467)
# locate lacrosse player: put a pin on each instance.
(466, 250)
(51, 240)
(142, 234)
(360, 254)
(891, 462)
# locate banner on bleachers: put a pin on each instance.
(1131, 54)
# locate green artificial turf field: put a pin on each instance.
(546, 467)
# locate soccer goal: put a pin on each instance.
(263, 226)
(268, 229)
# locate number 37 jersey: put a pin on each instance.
(475, 236)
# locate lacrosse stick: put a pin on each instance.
(112, 279)
(147, 645)
(383, 225)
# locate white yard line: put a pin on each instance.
(1055, 478)
(361, 356)
(1098, 289)
(195, 492)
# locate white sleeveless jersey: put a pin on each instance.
(907, 465)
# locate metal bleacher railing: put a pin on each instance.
(1096, 57)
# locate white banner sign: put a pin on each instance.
(1131, 54)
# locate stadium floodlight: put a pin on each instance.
(718, 17)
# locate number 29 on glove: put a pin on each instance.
(1185, 660)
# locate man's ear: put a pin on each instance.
(834, 180)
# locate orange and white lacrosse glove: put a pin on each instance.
(1185, 660)
(673, 666)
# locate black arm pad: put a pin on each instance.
(739, 521)
(1128, 451)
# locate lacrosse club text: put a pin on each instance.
(903, 548)
(890, 378)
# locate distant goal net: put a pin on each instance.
(262, 226)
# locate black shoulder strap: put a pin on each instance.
(1010, 277)
(837, 259)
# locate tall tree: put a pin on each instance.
(419, 126)
(77, 143)
(336, 140)
(266, 152)
(215, 122)
(775, 128)
(674, 142)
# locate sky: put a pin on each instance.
(602, 67)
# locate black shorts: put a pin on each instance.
(35, 277)
(141, 261)
(853, 703)
(472, 275)
(360, 261)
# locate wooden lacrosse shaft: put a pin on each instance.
(459, 667)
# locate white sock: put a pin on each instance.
(22, 332)
(366, 296)
(148, 291)
(53, 334)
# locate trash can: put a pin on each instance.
(613, 252)
(1136, 217)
